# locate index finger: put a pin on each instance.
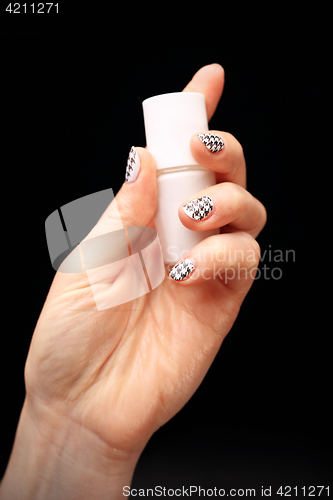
(209, 80)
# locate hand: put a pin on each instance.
(113, 377)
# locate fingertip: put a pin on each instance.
(217, 68)
(140, 166)
(208, 80)
(141, 173)
(210, 71)
(207, 146)
(181, 272)
(146, 157)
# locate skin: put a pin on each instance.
(100, 383)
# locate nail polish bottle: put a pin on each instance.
(170, 121)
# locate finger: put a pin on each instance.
(209, 80)
(225, 205)
(232, 259)
(221, 152)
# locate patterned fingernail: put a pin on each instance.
(199, 208)
(213, 142)
(182, 270)
(133, 165)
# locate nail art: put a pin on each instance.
(182, 270)
(199, 208)
(133, 165)
(212, 142)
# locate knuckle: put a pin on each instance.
(240, 150)
(233, 206)
(264, 215)
(261, 218)
(252, 250)
(238, 158)
(238, 198)
(237, 148)
(257, 252)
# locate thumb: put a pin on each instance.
(137, 198)
(103, 252)
(135, 203)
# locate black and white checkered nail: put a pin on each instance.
(213, 142)
(182, 270)
(199, 208)
(133, 165)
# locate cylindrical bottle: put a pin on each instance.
(170, 121)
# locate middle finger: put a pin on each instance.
(222, 153)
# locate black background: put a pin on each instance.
(71, 101)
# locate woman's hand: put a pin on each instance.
(100, 383)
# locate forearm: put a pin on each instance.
(57, 458)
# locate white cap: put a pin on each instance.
(170, 121)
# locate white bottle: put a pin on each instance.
(170, 121)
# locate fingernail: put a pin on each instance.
(182, 270)
(133, 165)
(213, 142)
(199, 208)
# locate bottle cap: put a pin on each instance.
(170, 121)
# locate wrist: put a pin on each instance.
(54, 457)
